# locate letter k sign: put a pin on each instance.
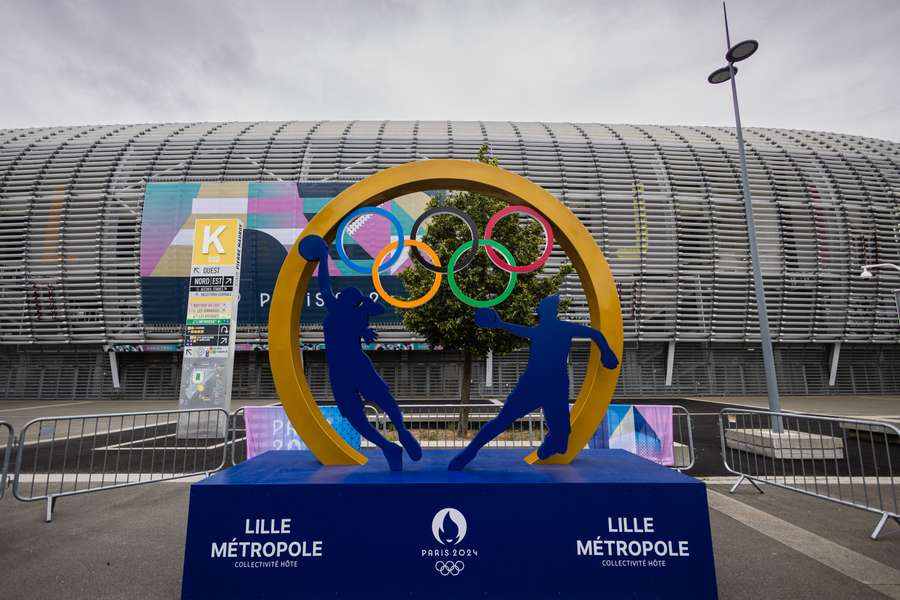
(212, 238)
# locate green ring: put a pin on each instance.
(471, 301)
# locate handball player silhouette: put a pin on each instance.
(349, 369)
(545, 381)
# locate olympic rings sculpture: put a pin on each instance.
(460, 259)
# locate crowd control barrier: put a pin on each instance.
(64, 456)
(683, 438)
(454, 425)
(844, 460)
(8, 447)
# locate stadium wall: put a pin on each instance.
(663, 202)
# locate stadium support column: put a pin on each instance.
(114, 368)
(835, 356)
(670, 363)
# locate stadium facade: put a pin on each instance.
(663, 202)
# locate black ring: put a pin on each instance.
(445, 210)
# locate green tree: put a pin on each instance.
(446, 321)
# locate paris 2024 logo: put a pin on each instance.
(449, 528)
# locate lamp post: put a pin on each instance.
(867, 274)
(867, 269)
(737, 53)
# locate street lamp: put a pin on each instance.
(867, 274)
(867, 269)
(736, 53)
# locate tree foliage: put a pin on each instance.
(446, 321)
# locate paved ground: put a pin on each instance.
(128, 543)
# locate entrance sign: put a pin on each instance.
(580, 246)
(211, 322)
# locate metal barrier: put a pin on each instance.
(64, 456)
(844, 460)
(454, 425)
(682, 438)
(8, 450)
(238, 436)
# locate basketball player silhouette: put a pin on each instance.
(349, 369)
(545, 381)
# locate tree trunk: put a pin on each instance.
(464, 394)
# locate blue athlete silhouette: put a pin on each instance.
(351, 372)
(545, 382)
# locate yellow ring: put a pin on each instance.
(442, 174)
(376, 276)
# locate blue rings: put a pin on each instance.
(395, 223)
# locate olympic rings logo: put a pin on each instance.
(449, 567)
(460, 258)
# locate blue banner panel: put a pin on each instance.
(610, 525)
(274, 215)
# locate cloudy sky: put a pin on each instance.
(827, 65)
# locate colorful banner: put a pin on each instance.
(268, 428)
(273, 214)
(264, 347)
(644, 430)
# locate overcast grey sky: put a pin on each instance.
(828, 64)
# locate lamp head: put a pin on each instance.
(866, 273)
(741, 50)
(722, 74)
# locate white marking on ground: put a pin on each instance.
(799, 481)
(45, 405)
(44, 438)
(129, 445)
(878, 576)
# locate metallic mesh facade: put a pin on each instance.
(663, 202)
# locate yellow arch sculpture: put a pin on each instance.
(287, 300)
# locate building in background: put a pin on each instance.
(95, 224)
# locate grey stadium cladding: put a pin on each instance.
(663, 202)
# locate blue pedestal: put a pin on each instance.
(610, 525)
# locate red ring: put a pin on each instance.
(548, 234)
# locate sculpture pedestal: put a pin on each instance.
(610, 525)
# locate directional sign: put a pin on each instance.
(211, 321)
(205, 335)
(218, 283)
